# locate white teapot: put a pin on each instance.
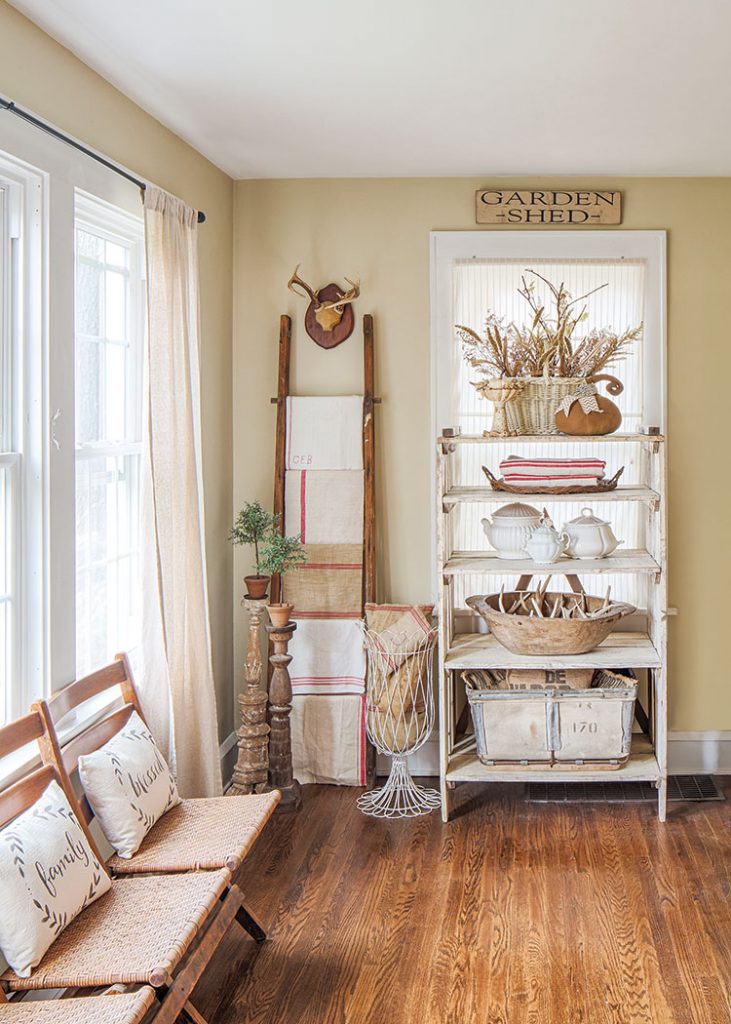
(546, 545)
(510, 527)
(590, 536)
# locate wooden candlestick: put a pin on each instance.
(251, 774)
(280, 707)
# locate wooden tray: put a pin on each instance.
(498, 484)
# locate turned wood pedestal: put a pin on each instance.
(251, 774)
(280, 707)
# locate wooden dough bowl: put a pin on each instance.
(543, 636)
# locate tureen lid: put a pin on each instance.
(587, 518)
(516, 510)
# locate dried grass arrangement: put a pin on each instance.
(547, 346)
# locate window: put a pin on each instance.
(9, 469)
(473, 273)
(70, 415)
(109, 332)
(21, 509)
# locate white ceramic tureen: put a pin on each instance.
(546, 545)
(590, 536)
(510, 527)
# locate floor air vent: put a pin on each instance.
(680, 787)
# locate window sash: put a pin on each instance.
(108, 471)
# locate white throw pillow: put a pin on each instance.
(48, 874)
(129, 785)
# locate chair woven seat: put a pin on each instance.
(127, 1008)
(201, 834)
(137, 933)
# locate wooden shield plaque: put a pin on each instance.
(341, 331)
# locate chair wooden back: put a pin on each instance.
(21, 795)
(65, 760)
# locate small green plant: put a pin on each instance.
(253, 525)
(279, 554)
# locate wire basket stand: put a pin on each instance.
(399, 718)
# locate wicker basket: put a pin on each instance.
(533, 409)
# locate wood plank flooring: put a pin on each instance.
(510, 914)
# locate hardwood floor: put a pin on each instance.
(513, 913)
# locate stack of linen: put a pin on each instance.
(323, 503)
(541, 473)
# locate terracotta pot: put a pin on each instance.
(280, 614)
(257, 586)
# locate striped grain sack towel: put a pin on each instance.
(328, 739)
(328, 656)
(325, 433)
(400, 628)
(329, 583)
(516, 469)
(324, 506)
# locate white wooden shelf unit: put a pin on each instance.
(644, 648)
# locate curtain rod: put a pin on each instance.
(50, 130)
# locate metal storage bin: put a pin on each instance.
(555, 726)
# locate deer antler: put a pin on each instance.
(347, 296)
(296, 280)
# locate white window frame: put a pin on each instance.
(57, 175)
(446, 247)
(24, 348)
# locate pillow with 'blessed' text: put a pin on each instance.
(129, 785)
(48, 874)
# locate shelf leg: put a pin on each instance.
(445, 800)
(662, 798)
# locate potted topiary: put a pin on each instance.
(252, 526)
(280, 554)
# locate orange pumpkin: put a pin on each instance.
(608, 419)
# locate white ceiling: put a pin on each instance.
(319, 88)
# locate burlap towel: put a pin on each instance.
(330, 582)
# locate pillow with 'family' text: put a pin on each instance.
(129, 785)
(48, 874)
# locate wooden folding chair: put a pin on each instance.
(157, 930)
(199, 834)
(116, 1008)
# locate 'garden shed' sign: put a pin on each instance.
(547, 206)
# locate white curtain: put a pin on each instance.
(178, 689)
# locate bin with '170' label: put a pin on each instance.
(553, 724)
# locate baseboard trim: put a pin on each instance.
(703, 752)
(228, 760)
(689, 753)
(228, 744)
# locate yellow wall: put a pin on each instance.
(41, 75)
(379, 229)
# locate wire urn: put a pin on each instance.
(399, 719)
